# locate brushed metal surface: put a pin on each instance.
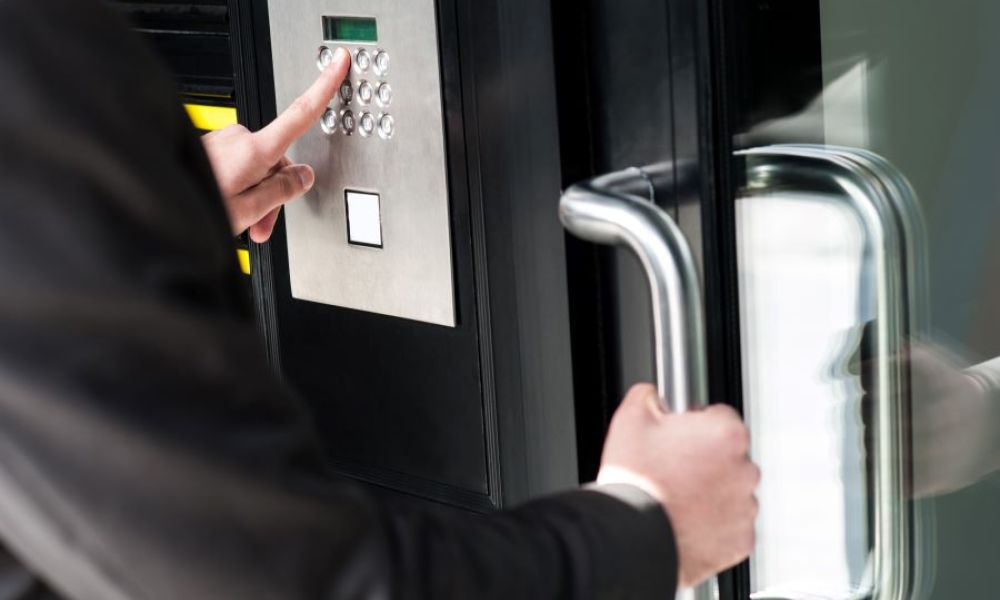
(411, 275)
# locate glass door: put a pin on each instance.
(868, 248)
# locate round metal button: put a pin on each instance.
(366, 124)
(386, 126)
(328, 122)
(384, 95)
(365, 92)
(325, 58)
(346, 92)
(347, 121)
(382, 62)
(362, 61)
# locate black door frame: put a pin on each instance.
(609, 54)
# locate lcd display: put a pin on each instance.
(350, 29)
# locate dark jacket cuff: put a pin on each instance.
(631, 542)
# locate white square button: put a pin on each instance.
(364, 219)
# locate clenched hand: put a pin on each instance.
(696, 465)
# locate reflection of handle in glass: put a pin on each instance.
(606, 211)
(886, 208)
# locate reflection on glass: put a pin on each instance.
(918, 84)
(799, 289)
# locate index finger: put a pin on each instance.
(306, 110)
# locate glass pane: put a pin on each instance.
(800, 316)
(870, 296)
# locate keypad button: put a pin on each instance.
(384, 94)
(382, 62)
(386, 126)
(365, 92)
(362, 61)
(346, 92)
(347, 121)
(366, 124)
(325, 57)
(328, 123)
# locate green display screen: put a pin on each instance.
(349, 29)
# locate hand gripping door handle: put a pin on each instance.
(606, 210)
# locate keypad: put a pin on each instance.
(386, 126)
(364, 89)
(384, 95)
(365, 93)
(329, 121)
(325, 57)
(346, 92)
(362, 61)
(382, 63)
(347, 121)
(366, 124)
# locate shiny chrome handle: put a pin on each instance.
(608, 210)
(889, 217)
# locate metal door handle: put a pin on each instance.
(889, 216)
(606, 210)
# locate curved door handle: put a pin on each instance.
(886, 208)
(603, 211)
(606, 210)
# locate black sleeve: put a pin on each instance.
(145, 452)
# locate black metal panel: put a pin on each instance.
(193, 38)
(616, 110)
(513, 151)
(775, 68)
(202, 63)
(462, 416)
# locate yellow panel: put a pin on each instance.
(244, 258)
(210, 118)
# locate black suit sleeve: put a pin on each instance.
(145, 452)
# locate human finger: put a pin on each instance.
(305, 111)
(641, 402)
(261, 231)
(282, 187)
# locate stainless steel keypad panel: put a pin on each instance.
(357, 90)
(382, 136)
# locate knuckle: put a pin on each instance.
(741, 437)
(735, 435)
(287, 185)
